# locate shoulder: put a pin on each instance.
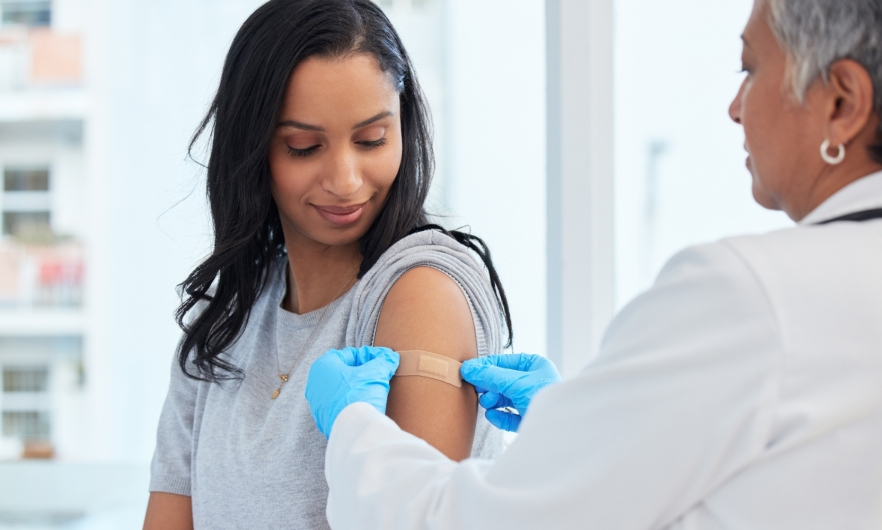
(423, 266)
(757, 259)
(702, 284)
(427, 248)
(424, 285)
(719, 262)
(814, 251)
(425, 309)
(707, 300)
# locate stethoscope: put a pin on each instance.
(864, 215)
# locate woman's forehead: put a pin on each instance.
(758, 33)
(348, 77)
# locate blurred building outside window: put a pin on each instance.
(40, 373)
(42, 229)
(26, 12)
(39, 267)
(17, 379)
(29, 384)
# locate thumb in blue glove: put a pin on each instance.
(342, 377)
(507, 382)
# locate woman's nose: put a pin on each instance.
(735, 106)
(343, 177)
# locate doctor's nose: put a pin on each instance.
(735, 106)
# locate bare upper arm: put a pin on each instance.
(427, 310)
(167, 511)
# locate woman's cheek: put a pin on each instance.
(393, 165)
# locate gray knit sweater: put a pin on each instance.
(249, 461)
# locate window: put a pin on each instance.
(26, 425)
(30, 379)
(37, 372)
(17, 223)
(17, 179)
(26, 202)
(26, 404)
(27, 12)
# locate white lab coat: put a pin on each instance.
(743, 391)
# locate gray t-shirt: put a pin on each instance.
(249, 461)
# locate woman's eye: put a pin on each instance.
(293, 151)
(373, 143)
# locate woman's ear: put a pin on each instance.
(851, 101)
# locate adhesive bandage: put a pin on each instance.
(431, 365)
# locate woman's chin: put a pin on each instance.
(337, 237)
(763, 198)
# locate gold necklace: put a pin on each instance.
(318, 325)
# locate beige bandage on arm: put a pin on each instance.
(431, 365)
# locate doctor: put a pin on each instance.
(744, 390)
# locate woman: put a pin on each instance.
(743, 390)
(320, 164)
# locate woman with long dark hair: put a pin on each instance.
(320, 164)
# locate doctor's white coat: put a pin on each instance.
(742, 391)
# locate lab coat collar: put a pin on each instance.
(862, 194)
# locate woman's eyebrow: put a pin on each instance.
(369, 121)
(307, 127)
(299, 125)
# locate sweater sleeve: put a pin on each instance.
(170, 469)
(441, 252)
(680, 399)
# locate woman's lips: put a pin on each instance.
(340, 215)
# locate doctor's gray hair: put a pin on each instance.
(817, 33)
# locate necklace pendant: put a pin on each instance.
(283, 377)
(277, 392)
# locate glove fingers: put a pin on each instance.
(493, 400)
(503, 420)
(382, 367)
(511, 361)
(491, 377)
(347, 355)
(366, 354)
(488, 400)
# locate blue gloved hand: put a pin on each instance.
(342, 377)
(508, 381)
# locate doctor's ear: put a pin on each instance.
(849, 103)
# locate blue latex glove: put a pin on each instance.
(506, 382)
(342, 377)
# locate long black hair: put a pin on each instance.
(242, 118)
